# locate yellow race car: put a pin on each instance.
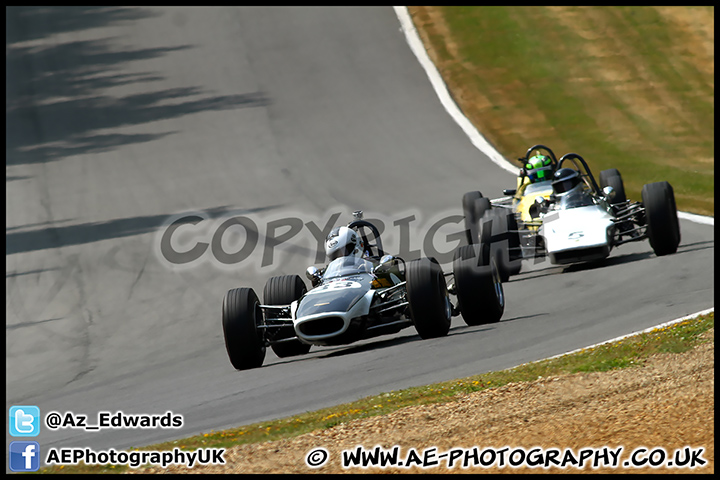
(510, 228)
(534, 180)
(519, 205)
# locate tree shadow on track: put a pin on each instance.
(55, 92)
(54, 20)
(55, 237)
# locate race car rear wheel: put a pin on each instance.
(470, 215)
(241, 314)
(612, 178)
(514, 245)
(482, 205)
(283, 290)
(481, 298)
(430, 307)
(504, 240)
(663, 226)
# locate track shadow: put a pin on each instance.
(709, 244)
(635, 257)
(28, 272)
(30, 324)
(343, 350)
(55, 93)
(54, 20)
(56, 237)
(536, 273)
(610, 261)
(35, 225)
(523, 317)
(374, 345)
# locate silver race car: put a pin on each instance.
(362, 293)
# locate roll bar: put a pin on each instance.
(358, 224)
(573, 157)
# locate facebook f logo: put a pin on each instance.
(24, 456)
(24, 421)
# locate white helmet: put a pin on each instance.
(343, 242)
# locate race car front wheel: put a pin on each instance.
(612, 178)
(427, 295)
(499, 228)
(481, 298)
(663, 226)
(474, 206)
(240, 316)
(283, 290)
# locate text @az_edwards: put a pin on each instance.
(113, 420)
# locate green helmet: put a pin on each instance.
(539, 168)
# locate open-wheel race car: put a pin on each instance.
(534, 180)
(582, 220)
(360, 294)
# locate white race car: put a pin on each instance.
(582, 221)
(362, 293)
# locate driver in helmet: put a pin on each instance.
(570, 189)
(566, 181)
(538, 168)
(344, 242)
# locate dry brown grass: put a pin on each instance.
(669, 402)
(638, 86)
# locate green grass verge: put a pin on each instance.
(630, 88)
(631, 352)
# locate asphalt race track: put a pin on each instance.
(120, 120)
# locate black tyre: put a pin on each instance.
(478, 286)
(427, 295)
(241, 315)
(612, 178)
(515, 247)
(283, 290)
(663, 226)
(482, 205)
(470, 216)
(499, 228)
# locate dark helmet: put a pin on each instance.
(564, 180)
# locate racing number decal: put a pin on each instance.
(340, 285)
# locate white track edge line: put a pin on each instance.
(617, 339)
(413, 39)
(697, 218)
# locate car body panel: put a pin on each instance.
(578, 234)
(527, 197)
(338, 311)
(315, 318)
